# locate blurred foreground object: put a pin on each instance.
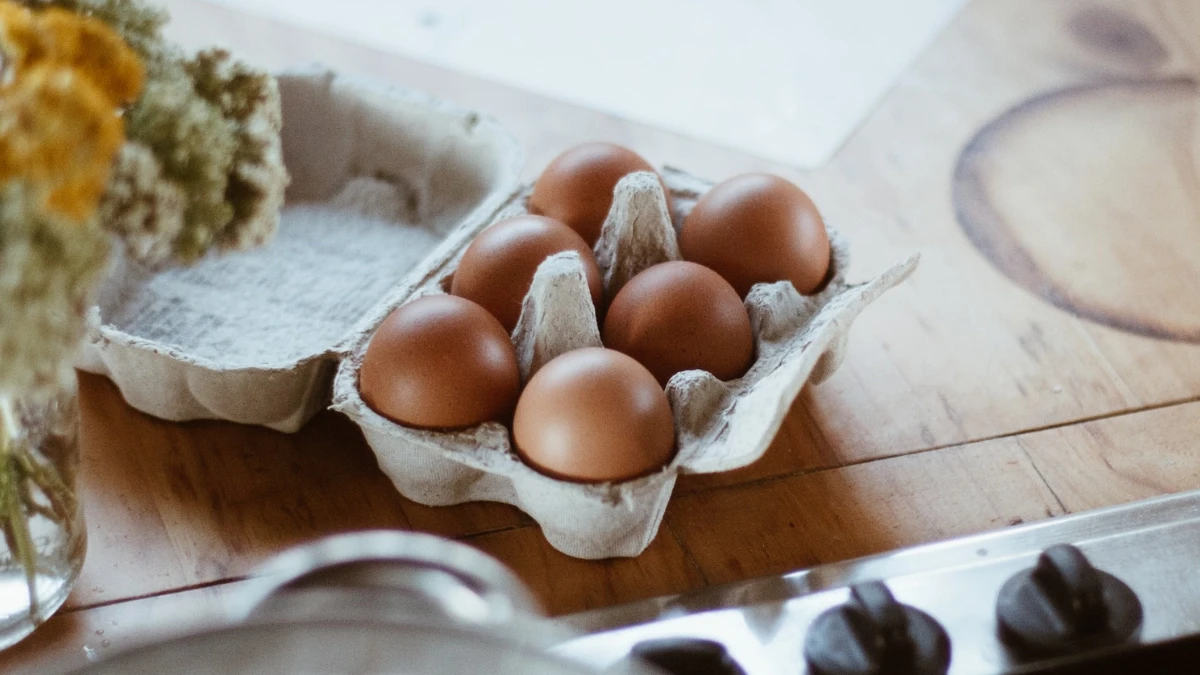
(375, 601)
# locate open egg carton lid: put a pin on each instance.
(719, 425)
(387, 184)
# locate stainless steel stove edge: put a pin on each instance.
(1153, 544)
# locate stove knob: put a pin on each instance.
(1064, 605)
(873, 634)
(687, 656)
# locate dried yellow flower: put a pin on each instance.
(138, 23)
(19, 40)
(58, 130)
(66, 75)
(94, 50)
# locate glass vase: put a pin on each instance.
(44, 538)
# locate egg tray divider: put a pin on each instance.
(719, 425)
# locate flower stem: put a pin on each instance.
(13, 518)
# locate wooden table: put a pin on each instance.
(1045, 358)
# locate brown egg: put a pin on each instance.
(498, 267)
(594, 415)
(681, 316)
(440, 362)
(577, 186)
(758, 228)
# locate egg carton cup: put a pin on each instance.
(719, 425)
(387, 185)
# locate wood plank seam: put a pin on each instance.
(687, 554)
(69, 609)
(1038, 470)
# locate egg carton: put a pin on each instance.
(719, 425)
(257, 337)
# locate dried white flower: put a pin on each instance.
(49, 267)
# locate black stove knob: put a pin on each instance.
(873, 634)
(687, 656)
(1063, 605)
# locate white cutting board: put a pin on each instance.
(788, 80)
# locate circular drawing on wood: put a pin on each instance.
(1089, 197)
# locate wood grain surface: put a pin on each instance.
(1020, 201)
(1044, 359)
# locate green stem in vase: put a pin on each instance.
(46, 477)
(12, 510)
